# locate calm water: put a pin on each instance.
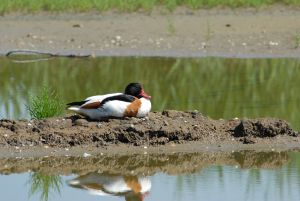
(217, 87)
(241, 176)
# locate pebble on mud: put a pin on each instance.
(30, 35)
(272, 43)
(77, 25)
(71, 40)
(86, 155)
(118, 38)
(81, 122)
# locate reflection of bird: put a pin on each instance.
(133, 103)
(133, 188)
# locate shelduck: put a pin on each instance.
(134, 102)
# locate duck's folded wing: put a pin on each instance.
(121, 97)
(91, 102)
(101, 97)
(95, 102)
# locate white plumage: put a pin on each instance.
(134, 102)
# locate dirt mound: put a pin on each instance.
(158, 128)
(263, 128)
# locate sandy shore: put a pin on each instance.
(267, 32)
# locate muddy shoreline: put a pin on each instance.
(168, 131)
(245, 32)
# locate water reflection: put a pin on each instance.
(144, 164)
(218, 87)
(246, 175)
(44, 185)
(265, 160)
(132, 188)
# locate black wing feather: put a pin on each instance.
(122, 97)
(77, 103)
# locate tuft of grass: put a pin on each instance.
(297, 41)
(209, 33)
(171, 27)
(45, 104)
(45, 184)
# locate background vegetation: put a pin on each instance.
(217, 87)
(127, 5)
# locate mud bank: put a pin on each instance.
(140, 164)
(159, 128)
(245, 32)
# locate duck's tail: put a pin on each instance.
(77, 110)
(74, 108)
